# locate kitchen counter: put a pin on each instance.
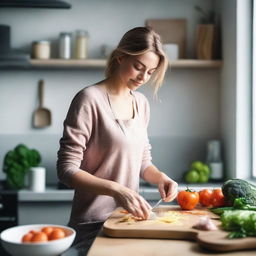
(59, 203)
(152, 247)
(53, 194)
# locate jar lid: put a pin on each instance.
(65, 34)
(41, 42)
(82, 33)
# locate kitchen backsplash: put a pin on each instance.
(171, 154)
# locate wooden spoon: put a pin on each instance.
(42, 116)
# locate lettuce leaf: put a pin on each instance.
(241, 223)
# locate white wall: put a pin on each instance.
(236, 87)
(187, 116)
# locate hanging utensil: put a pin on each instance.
(42, 116)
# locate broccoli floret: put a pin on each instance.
(236, 188)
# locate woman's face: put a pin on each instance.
(135, 71)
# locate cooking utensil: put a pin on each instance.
(155, 206)
(152, 215)
(42, 116)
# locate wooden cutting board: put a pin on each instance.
(181, 228)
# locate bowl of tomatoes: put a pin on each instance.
(39, 240)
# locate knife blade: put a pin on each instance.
(154, 207)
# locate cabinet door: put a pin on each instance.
(44, 213)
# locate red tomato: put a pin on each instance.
(187, 199)
(57, 233)
(27, 238)
(217, 198)
(47, 230)
(205, 197)
(39, 237)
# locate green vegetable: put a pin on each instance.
(198, 173)
(241, 223)
(192, 176)
(239, 204)
(17, 163)
(221, 210)
(236, 188)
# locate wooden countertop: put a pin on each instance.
(152, 247)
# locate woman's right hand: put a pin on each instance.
(132, 202)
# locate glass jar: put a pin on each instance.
(81, 44)
(65, 45)
(41, 49)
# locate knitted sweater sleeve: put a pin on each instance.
(76, 134)
(147, 158)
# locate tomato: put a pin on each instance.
(39, 237)
(27, 237)
(47, 230)
(188, 199)
(57, 233)
(205, 197)
(217, 199)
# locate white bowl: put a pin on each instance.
(172, 51)
(11, 241)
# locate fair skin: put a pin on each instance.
(133, 72)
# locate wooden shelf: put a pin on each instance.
(73, 64)
(101, 63)
(182, 63)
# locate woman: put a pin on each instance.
(105, 149)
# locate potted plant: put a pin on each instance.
(17, 163)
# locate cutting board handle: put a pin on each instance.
(41, 93)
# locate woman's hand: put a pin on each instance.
(167, 187)
(131, 201)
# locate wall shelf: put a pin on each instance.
(72, 63)
(182, 63)
(101, 63)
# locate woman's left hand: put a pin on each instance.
(167, 187)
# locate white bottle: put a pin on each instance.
(65, 45)
(81, 44)
(214, 160)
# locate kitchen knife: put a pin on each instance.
(154, 207)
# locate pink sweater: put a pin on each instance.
(96, 142)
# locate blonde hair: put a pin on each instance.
(135, 42)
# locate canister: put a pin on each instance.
(65, 45)
(81, 44)
(41, 49)
(37, 179)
